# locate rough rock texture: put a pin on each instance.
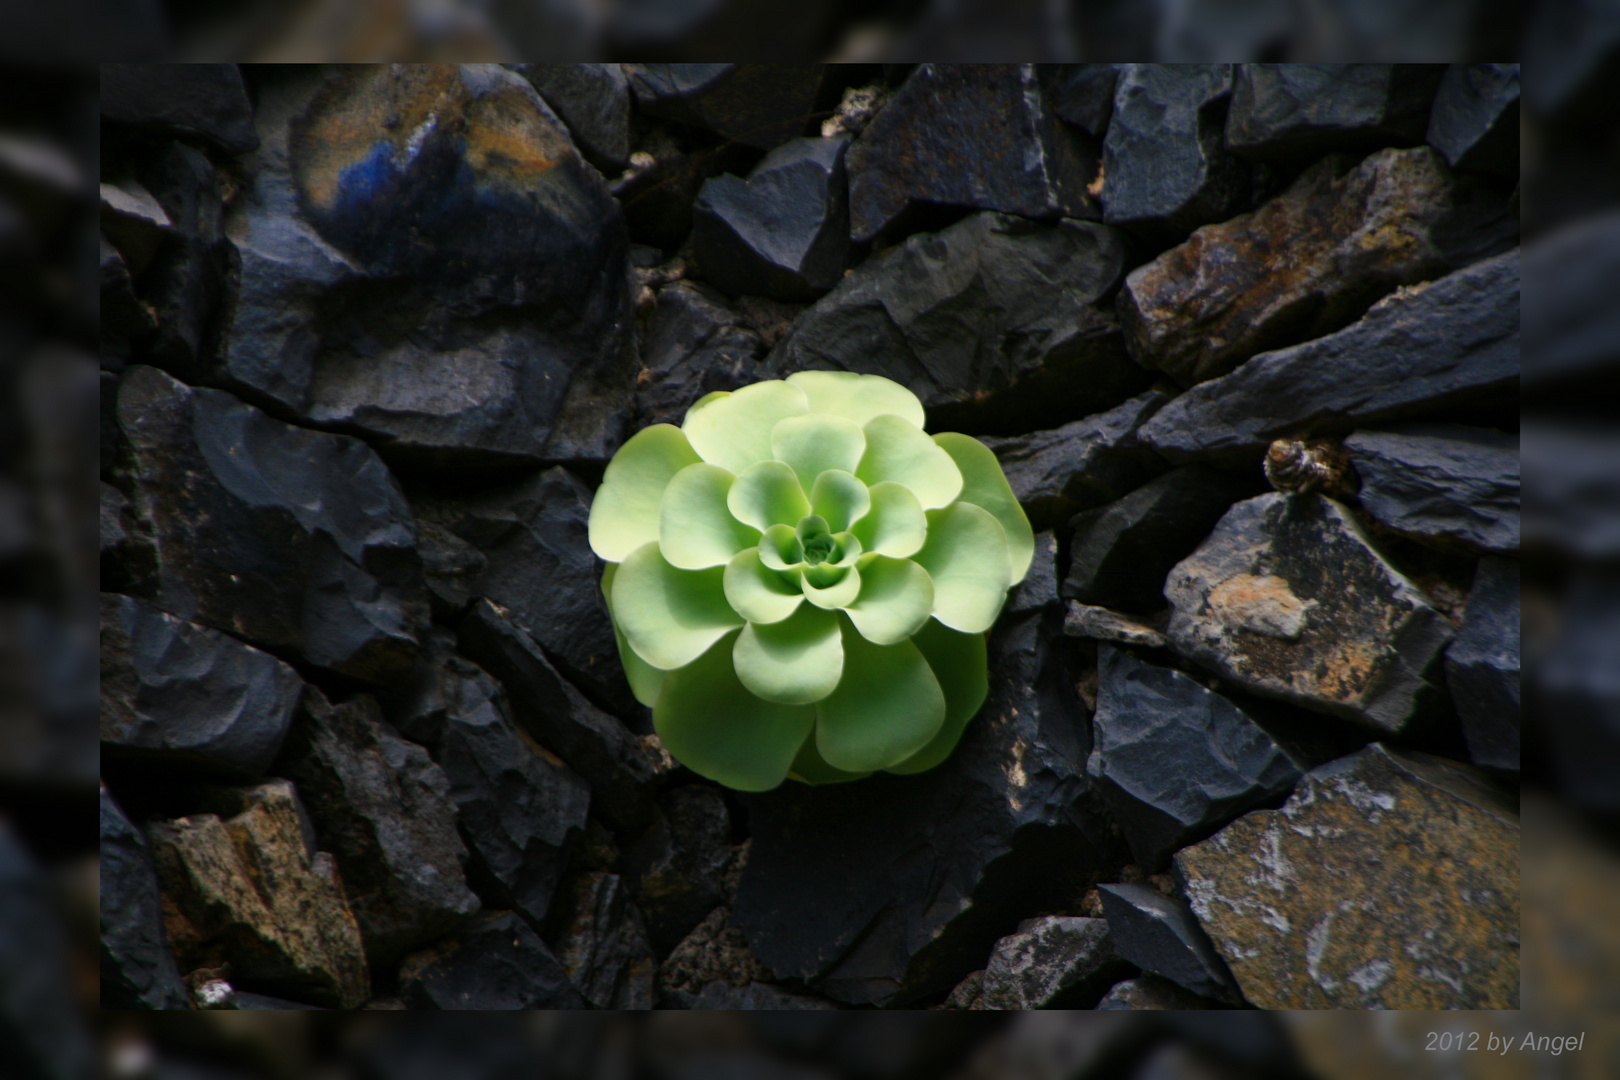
(760, 105)
(1390, 879)
(594, 101)
(1446, 344)
(123, 314)
(1442, 484)
(206, 101)
(1482, 666)
(784, 231)
(1081, 465)
(694, 346)
(714, 956)
(603, 943)
(292, 539)
(1165, 168)
(1119, 554)
(1081, 94)
(1151, 992)
(382, 807)
(973, 135)
(677, 868)
(189, 698)
(1309, 261)
(245, 889)
(1039, 589)
(497, 963)
(1081, 620)
(134, 221)
(1161, 936)
(187, 278)
(1284, 111)
(1289, 599)
(1475, 120)
(755, 997)
(137, 970)
(1052, 962)
(991, 322)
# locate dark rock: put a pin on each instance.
(1445, 344)
(520, 811)
(204, 101)
(1288, 598)
(1081, 94)
(1152, 992)
(118, 548)
(992, 322)
(292, 539)
(1442, 484)
(594, 101)
(1389, 879)
(48, 718)
(185, 282)
(183, 697)
(450, 569)
(123, 314)
(383, 808)
(949, 860)
(1120, 553)
(1300, 111)
(1050, 963)
(1039, 589)
(497, 963)
(443, 685)
(137, 970)
(603, 943)
(973, 135)
(760, 105)
(264, 1003)
(1161, 936)
(1482, 666)
(676, 869)
(1100, 624)
(1309, 261)
(694, 346)
(968, 994)
(756, 997)
(134, 221)
(714, 954)
(596, 745)
(1570, 328)
(1573, 507)
(1081, 465)
(1475, 122)
(657, 197)
(1576, 699)
(784, 231)
(1165, 169)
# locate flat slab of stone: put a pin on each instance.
(1442, 484)
(1101, 624)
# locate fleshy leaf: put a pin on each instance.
(966, 555)
(898, 451)
(696, 529)
(624, 513)
(779, 547)
(846, 549)
(794, 662)
(645, 680)
(895, 525)
(984, 484)
(840, 585)
(887, 706)
(815, 443)
(711, 724)
(896, 598)
(809, 768)
(765, 494)
(669, 616)
(759, 593)
(960, 663)
(734, 431)
(857, 397)
(840, 499)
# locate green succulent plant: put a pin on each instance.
(801, 579)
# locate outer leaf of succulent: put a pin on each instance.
(801, 579)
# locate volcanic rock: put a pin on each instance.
(594, 101)
(123, 314)
(1299, 111)
(1482, 666)
(1442, 484)
(134, 221)
(137, 971)
(713, 959)
(1151, 992)
(1100, 624)
(603, 943)
(761, 105)
(1039, 589)
(1475, 121)
(1052, 962)
(450, 570)
(1161, 936)
(676, 869)
(497, 963)
(186, 279)
(203, 101)
(1081, 94)
(694, 346)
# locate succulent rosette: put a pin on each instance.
(801, 579)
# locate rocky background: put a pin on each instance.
(370, 335)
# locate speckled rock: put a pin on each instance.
(1053, 962)
(1475, 120)
(676, 869)
(1442, 484)
(1282, 111)
(1101, 624)
(714, 954)
(1161, 935)
(1390, 879)
(1482, 666)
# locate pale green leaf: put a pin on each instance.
(831, 587)
(733, 430)
(759, 593)
(815, 443)
(624, 513)
(897, 451)
(857, 397)
(668, 615)
(895, 525)
(809, 768)
(960, 663)
(966, 556)
(896, 598)
(794, 662)
(888, 706)
(767, 493)
(984, 484)
(696, 529)
(645, 680)
(779, 547)
(840, 499)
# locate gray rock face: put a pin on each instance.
(1082, 94)
(676, 869)
(694, 346)
(498, 962)
(1443, 484)
(1161, 936)
(137, 970)
(293, 539)
(761, 105)
(1165, 168)
(1039, 589)
(603, 943)
(134, 221)
(1482, 666)
(1475, 120)
(594, 101)
(973, 135)
(992, 322)
(1282, 111)
(186, 281)
(189, 698)
(784, 231)
(206, 101)
(1151, 992)
(1444, 344)
(1052, 962)
(1100, 624)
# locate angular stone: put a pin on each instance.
(1289, 599)
(694, 346)
(443, 685)
(245, 889)
(1390, 879)
(1120, 553)
(1482, 666)
(1443, 484)
(1161, 936)
(676, 869)
(123, 314)
(761, 105)
(974, 135)
(1569, 325)
(594, 101)
(1309, 261)
(1081, 94)
(134, 221)
(603, 943)
(1052, 962)
(205, 101)
(450, 570)
(1475, 120)
(714, 954)
(1300, 111)
(1081, 465)
(1151, 992)
(186, 281)
(1039, 589)
(784, 231)
(181, 697)
(1443, 345)
(497, 963)
(137, 970)
(293, 539)
(383, 808)
(992, 322)
(757, 997)
(1100, 624)
(1165, 170)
